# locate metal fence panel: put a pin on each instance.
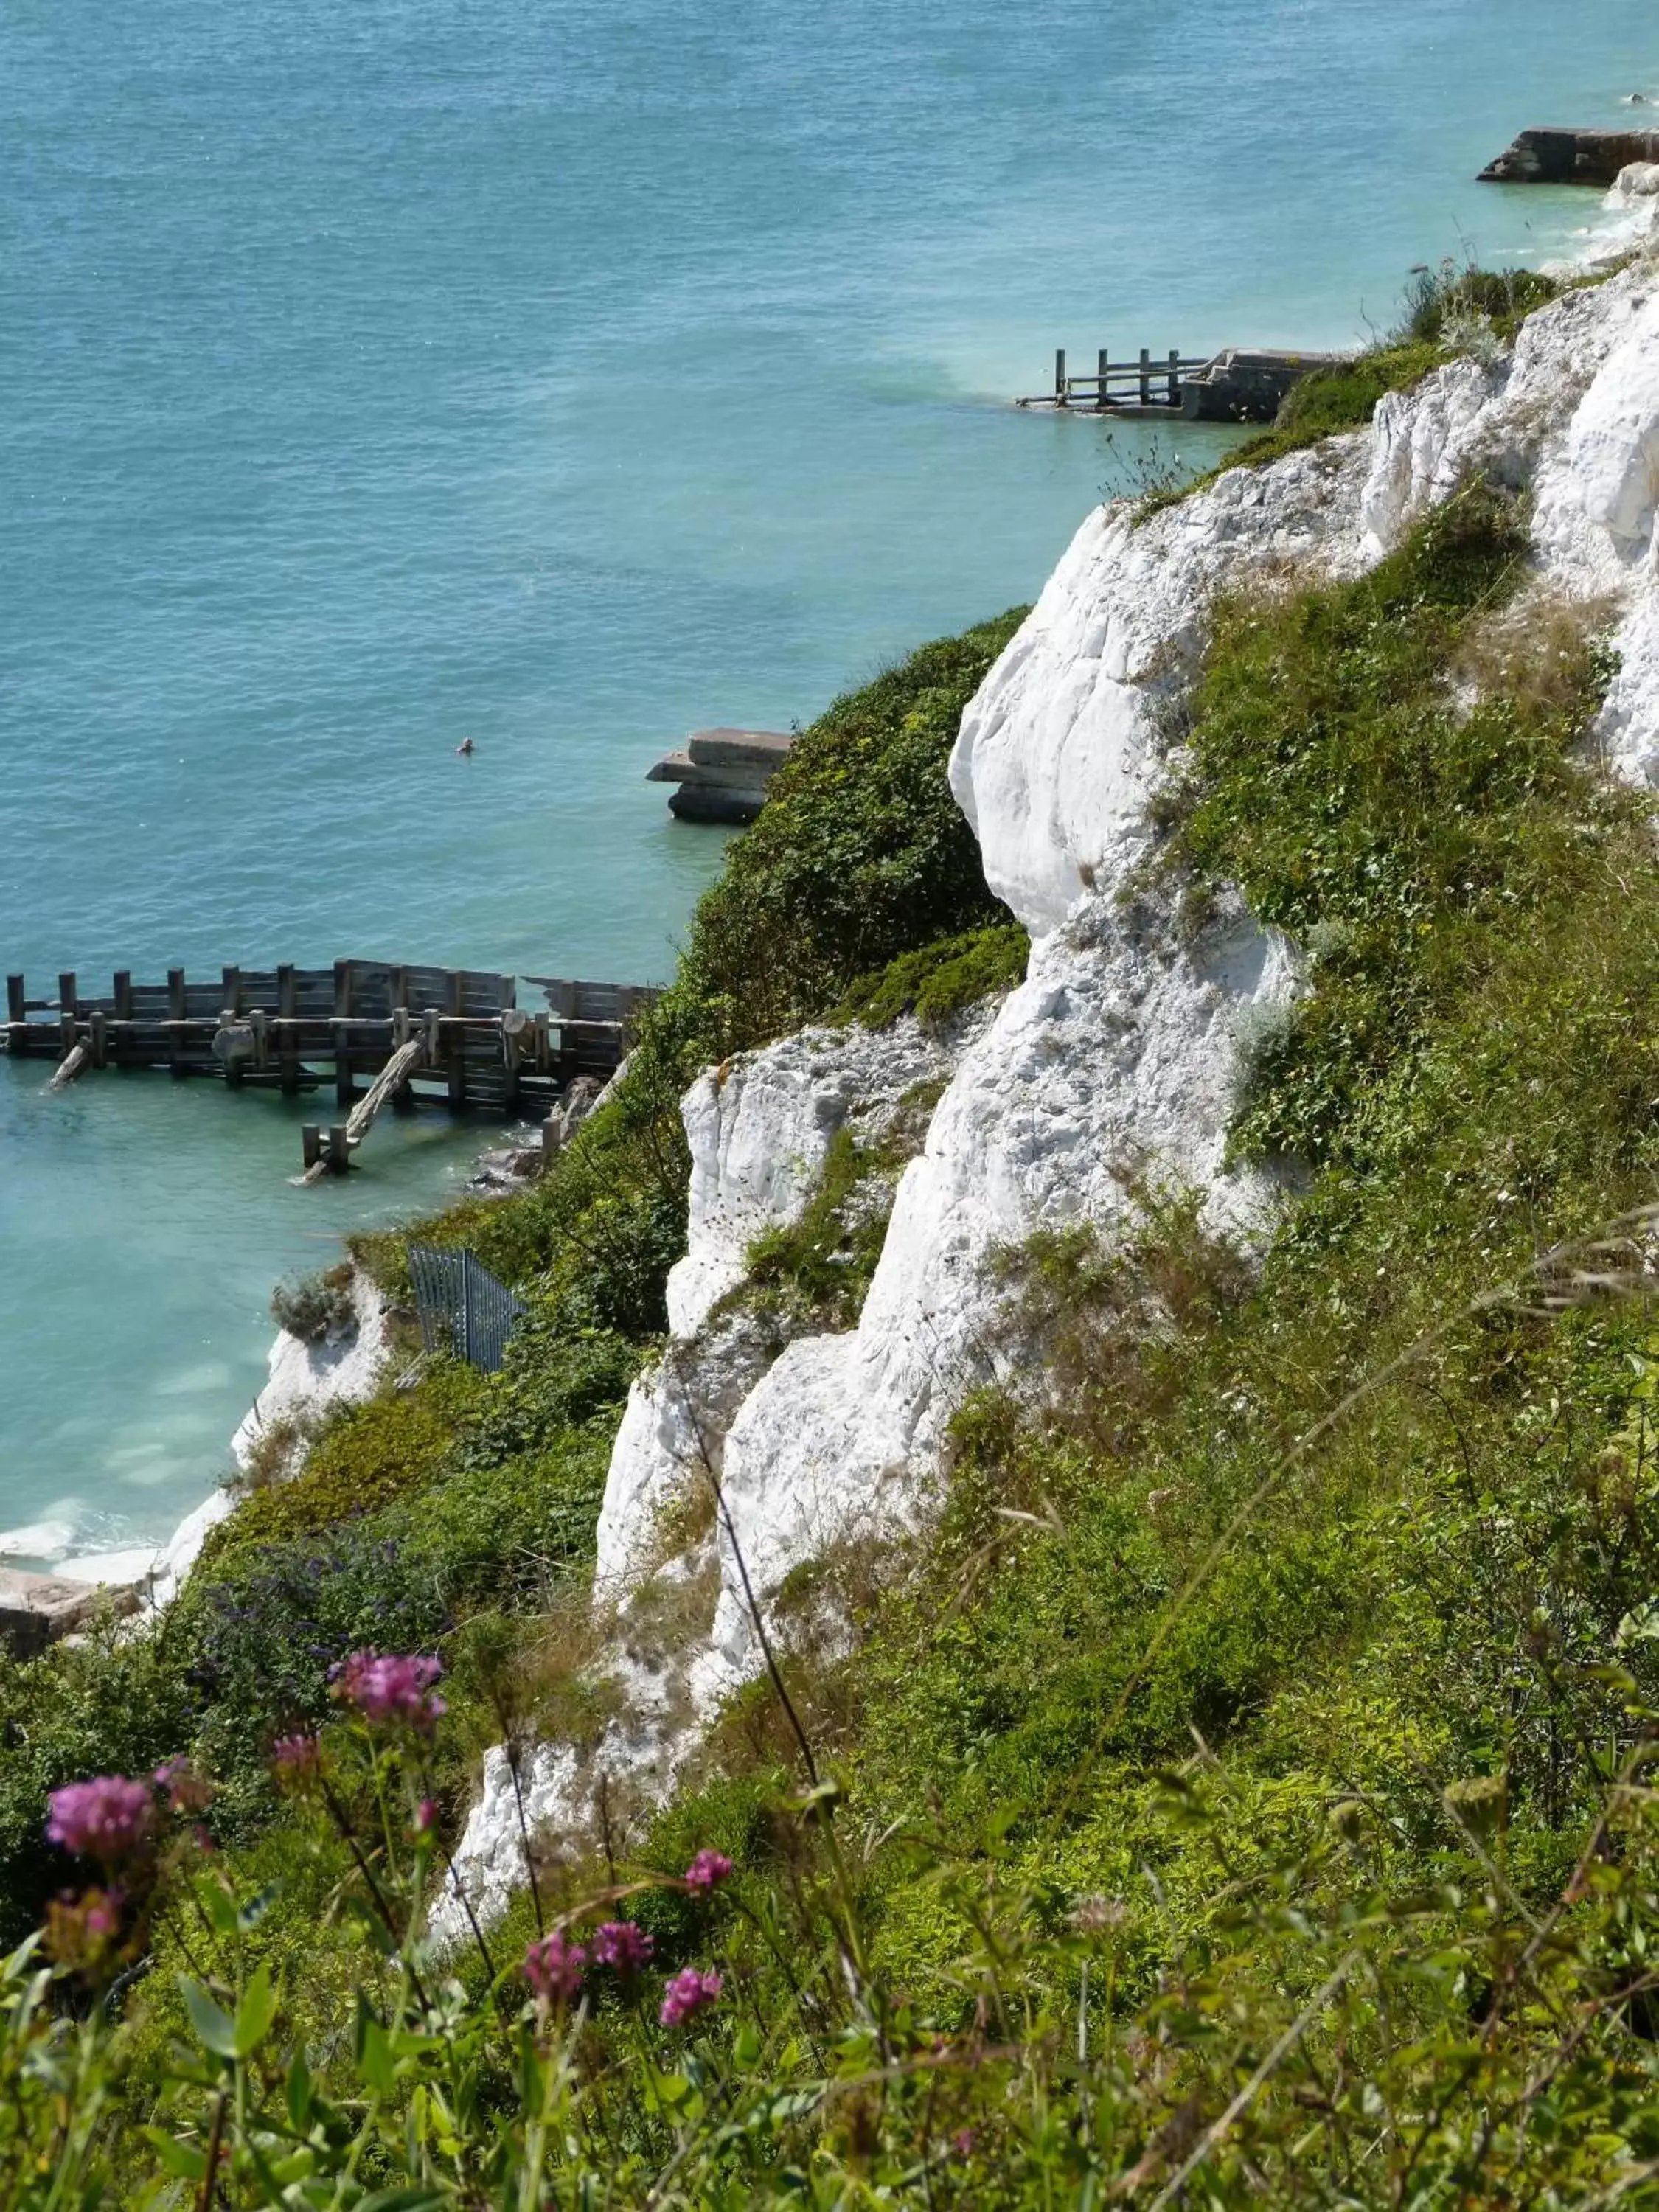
(462, 1308)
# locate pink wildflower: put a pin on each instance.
(184, 1788)
(692, 1991)
(392, 1692)
(426, 1816)
(108, 1818)
(298, 1760)
(553, 1968)
(707, 1871)
(83, 1931)
(621, 1944)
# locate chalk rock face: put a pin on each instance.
(759, 1129)
(1066, 739)
(307, 1379)
(1117, 1058)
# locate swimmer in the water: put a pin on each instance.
(465, 746)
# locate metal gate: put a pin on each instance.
(462, 1308)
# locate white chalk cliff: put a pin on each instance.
(1120, 1050)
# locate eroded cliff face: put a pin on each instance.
(1116, 1060)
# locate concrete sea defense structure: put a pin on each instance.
(1551, 155)
(721, 775)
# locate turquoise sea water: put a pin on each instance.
(563, 376)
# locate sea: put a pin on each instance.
(563, 375)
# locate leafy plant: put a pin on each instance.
(939, 981)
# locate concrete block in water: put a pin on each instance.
(722, 775)
(1247, 385)
(1548, 155)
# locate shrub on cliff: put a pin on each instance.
(316, 1307)
(860, 854)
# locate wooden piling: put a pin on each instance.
(288, 1036)
(455, 1047)
(1061, 399)
(176, 1018)
(342, 1035)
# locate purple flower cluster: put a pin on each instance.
(391, 1692)
(692, 1990)
(707, 1871)
(554, 1967)
(108, 1818)
(621, 1945)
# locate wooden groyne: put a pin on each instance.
(1146, 384)
(1241, 384)
(378, 1032)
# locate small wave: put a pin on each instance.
(38, 1539)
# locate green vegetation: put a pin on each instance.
(1240, 1796)
(940, 980)
(311, 1308)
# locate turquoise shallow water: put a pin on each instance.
(564, 377)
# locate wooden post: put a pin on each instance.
(1061, 399)
(513, 1022)
(258, 1021)
(339, 1150)
(95, 1026)
(311, 1143)
(288, 1036)
(66, 1034)
(1145, 376)
(66, 998)
(123, 993)
(1175, 377)
(342, 1046)
(1100, 382)
(455, 1051)
(176, 1060)
(233, 1067)
(15, 996)
(232, 981)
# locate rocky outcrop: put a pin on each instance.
(1116, 1059)
(1552, 156)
